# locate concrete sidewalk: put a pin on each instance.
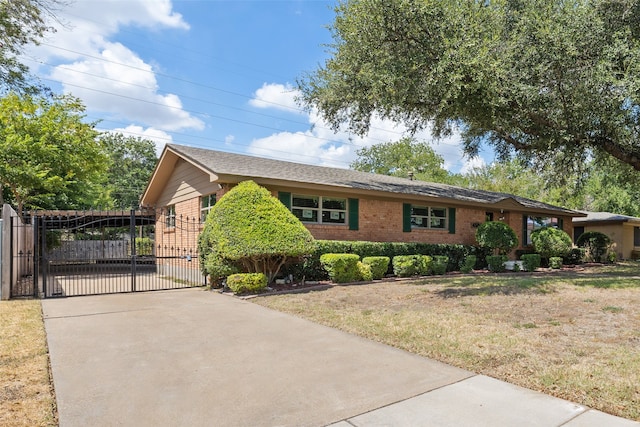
(196, 358)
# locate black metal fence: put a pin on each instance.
(69, 253)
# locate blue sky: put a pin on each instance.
(207, 73)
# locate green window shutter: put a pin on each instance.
(285, 198)
(452, 220)
(353, 214)
(524, 230)
(406, 217)
(561, 223)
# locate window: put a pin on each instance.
(170, 216)
(535, 222)
(206, 203)
(321, 210)
(428, 217)
(636, 236)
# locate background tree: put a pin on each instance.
(49, 157)
(557, 81)
(132, 161)
(402, 158)
(22, 22)
(251, 231)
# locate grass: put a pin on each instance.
(574, 334)
(26, 394)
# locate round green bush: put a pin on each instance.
(551, 242)
(364, 271)
(411, 265)
(342, 268)
(555, 262)
(243, 283)
(379, 265)
(531, 261)
(596, 245)
(468, 264)
(496, 263)
(497, 236)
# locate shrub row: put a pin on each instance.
(311, 268)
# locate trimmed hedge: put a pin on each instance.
(311, 268)
(379, 265)
(555, 262)
(531, 261)
(468, 264)
(411, 265)
(496, 263)
(341, 268)
(364, 271)
(439, 265)
(243, 283)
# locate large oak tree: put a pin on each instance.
(555, 81)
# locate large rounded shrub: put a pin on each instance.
(251, 231)
(497, 236)
(596, 245)
(551, 242)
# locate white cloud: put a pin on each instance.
(109, 77)
(159, 138)
(473, 163)
(321, 145)
(278, 96)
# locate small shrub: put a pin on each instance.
(364, 271)
(379, 265)
(243, 283)
(595, 244)
(555, 262)
(468, 264)
(411, 265)
(612, 257)
(342, 268)
(497, 236)
(439, 265)
(516, 267)
(531, 261)
(551, 242)
(575, 256)
(425, 265)
(496, 263)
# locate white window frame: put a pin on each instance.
(170, 216)
(418, 221)
(315, 214)
(204, 210)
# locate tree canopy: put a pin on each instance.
(132, 161)
(404, 158)
(555, 81)
(22, 22)
(49, 157)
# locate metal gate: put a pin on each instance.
(103, 252)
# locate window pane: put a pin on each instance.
(306, 215)
(305, 201)
(438, 223)
(419, 221)
(339, 204)
(419, 211)
(439, 212)
(333, 217)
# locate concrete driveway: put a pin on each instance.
(196, 358)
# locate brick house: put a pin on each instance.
(342, 204)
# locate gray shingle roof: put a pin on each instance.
(605, 217)
(223, 163)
